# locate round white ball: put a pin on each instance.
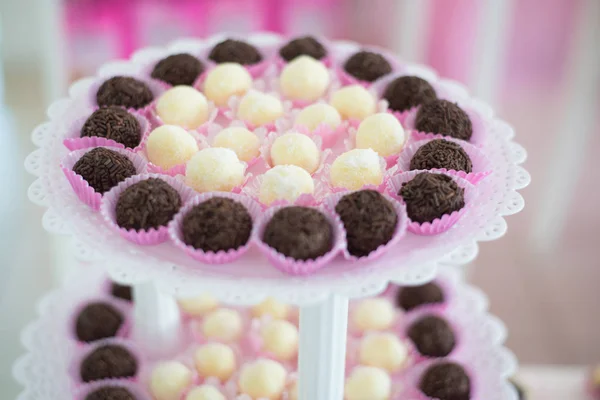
(280, 338)
(381, 132)
(226, 80)
(383, 350)
(356, 168)
(169, 380)
(263, 379)
(215, 359)
(170, 145)
(239, 139)
(259, 108)
(199, 305)
(285, 182)
(368, 383)
(183, 106)
(374, 314)
(317, 114)
(214, 169)
(294, 148)
(353, 102)
(304, 78)
(272, 307)
(205, 392)
(223, 324)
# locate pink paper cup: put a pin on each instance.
(329, 136)
(156, 87)
(439, 225)
(149, 237)
(134, 389)
(124, 309)
(208, 257)
(292, 266)
(82, 189)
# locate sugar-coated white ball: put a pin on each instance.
(383, 350)
(285, 182)
(271, 307)
(214, 169)
(215, 359)
(356, 168)
(353, 102)
(244, 142)
(280, 338)
(263, 378)
(304, 78)
(317, 114)
(199, 305)
(170, 145)
(374, 314)
(381, 132)
(294, 148)
(368, 383)
(259, 108)
(169, 380)
(223, 324)
(205, 392)
(183, 106)
(226, 80)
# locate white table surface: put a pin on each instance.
(544, 382)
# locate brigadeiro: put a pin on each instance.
(103, 169)
(178, 69)
(97, 321)
(411, 297)
(148, 204)
(367, 66)
(302, 233)
(369, 220)
(122, 292)
(108, 361)
(446, 381)
(235, 51)
(440, 153)
(406, 92)
(430, 196)
(445, 118)
(306, 45)
(217, 224)
(124, 91)
(110, 393)
(113, 123)
(432, 336)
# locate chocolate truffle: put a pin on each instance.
(235, 51)
(444, 118)
(432, 336)
(301, 233)
(178, 69)
(124, 91)
(122, 292)
(411, 297)
(406, 92)
(440, 153)
(148, 204)
(303, 46)
(217, 224)
(110, 393)
(98, 321)
(113, 123)
(367, 66)
(446, 381)
(103, 169)
(108, 361)
(369, 219)
(429, 196)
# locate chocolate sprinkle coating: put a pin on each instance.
(122, 292)
(406, 92)
(432, 336)
(444, 118)
(429, 196)
(369, 219)
(178, 69)
(301, 233)
(113, 123)
(148, 204)
(108, 361)
(217, 224)
(235, 51)
(103, 169)
(440, 153)
(411, 297)
(110, 393)
(97, 321)
(306, 45)
(367, 66)
(124, 91)
(446, 381)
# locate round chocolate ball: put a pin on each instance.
(148, 204)
(445, 118)
(98, 321)
(108, 361)
(178, 69)
(367, 66)
(122, 292)
(432, 336)
(124, 91)
(103, 169)
(411, 297)
(369, 219)
(217, 224)
(113, 123)
(430, 196)
(110, 393)
(446, 381)
(306, 45)
(406, 92)
(301, 233)
(235, 51)
(440, 153)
